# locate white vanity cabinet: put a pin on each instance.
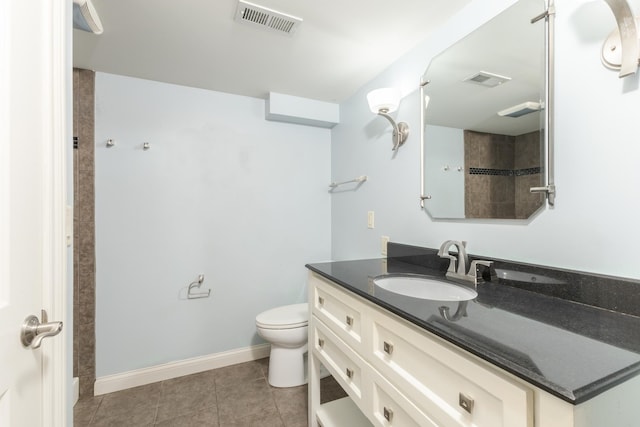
(397, 374)
(451, 388)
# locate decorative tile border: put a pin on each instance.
(504, 172)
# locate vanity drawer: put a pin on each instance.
(445, 383)
(340, 312)
(345, 365)
(391, 408)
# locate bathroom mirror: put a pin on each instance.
(485, 120)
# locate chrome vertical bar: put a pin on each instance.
(549, 187)
(423, 197)
(549, 95)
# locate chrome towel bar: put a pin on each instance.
(361, 178)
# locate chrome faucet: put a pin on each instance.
(458, 265)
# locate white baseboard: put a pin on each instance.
(125, 380)
(76, 390)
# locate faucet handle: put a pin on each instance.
(473, 270)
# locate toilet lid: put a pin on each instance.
(285, 317)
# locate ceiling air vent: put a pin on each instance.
(487, 79)
(265, 18)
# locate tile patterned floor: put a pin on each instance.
(234, 396)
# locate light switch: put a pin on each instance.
(370, 219)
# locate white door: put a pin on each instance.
(33, 128)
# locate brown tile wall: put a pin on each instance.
(495, 196)
(527, 203)
(527, 155)
(488, 196)
(84, 264)
(527, 151)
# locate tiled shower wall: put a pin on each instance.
(84, 263)
(499, 170)
(527, 158)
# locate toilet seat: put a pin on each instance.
(285, 317)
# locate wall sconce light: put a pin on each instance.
(384, 101)
(85, 17)
(621, 50)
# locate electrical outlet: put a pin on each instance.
(383, 244)
(370, 219)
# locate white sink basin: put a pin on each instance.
(425, 288)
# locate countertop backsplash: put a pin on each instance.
(617, 294)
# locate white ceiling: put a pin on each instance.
(341, 44)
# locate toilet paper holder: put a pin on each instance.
(193, 294)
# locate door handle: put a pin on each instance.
(33, 332)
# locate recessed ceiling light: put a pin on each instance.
(520, 109)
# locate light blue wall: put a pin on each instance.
(244, 201)
(594, 224)
(221, 192)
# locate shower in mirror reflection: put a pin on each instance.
(487, 149)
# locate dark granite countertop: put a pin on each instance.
(572, 350)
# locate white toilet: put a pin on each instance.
(286, 329)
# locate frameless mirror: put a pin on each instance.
(485, 129)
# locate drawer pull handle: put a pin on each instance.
(349, 320)
(320, 342)
(388, 348)
(465, 402)
(388, 414)
(320, 301)
(349, 373)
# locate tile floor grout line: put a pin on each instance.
(155, 415)
(215, 393)
(275, 401)
(95, 412)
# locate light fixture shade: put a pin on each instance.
(387, 98)
(85, 17)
